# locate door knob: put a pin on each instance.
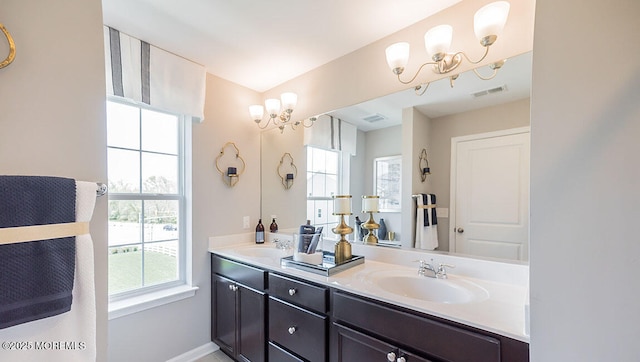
(460, 230)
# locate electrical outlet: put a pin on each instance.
(246, 221)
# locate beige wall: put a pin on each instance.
(416, 130)
(505, 116)
(52, 108)
(289, 205)
(584, 182)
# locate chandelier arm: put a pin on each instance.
(495, 72)
(486, 52)
(266, 124)
(417, 89)
(416, 75)
(305, 125)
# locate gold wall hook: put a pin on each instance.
(287, 181)
(12, 47)
(229, 178)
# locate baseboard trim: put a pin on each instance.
(196, 353)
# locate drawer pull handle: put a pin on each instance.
(292, 330)
(391, 357)
(401, 359)
(292, 291)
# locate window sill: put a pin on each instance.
(140, 303)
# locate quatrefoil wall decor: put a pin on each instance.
(12, 47)
(234, 165)
(287, 170)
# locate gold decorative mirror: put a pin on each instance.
(12, 47)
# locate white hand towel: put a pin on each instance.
(71, 336)
(426, 236)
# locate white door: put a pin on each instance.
(490, 194)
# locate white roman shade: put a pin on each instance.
(144, 73)
(332, 133)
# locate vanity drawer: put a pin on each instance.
(300, 331)
(434, 338)
(276, 353)
(298, 292)
(241, 273)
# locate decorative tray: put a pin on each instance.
(328, 266)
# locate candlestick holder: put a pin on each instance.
(342, 249)
(371, 225)
(370, 205)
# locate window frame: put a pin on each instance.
(183, 155)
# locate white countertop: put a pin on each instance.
(506, 284)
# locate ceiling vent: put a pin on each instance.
(374, 118)
(485, 92)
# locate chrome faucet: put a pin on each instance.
(429, 270)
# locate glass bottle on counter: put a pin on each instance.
(274, 226)
(259, 232)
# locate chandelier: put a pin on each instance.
(488, 24)
(279, 112)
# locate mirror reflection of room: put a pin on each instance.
(444, 118)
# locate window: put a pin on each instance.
(323, 182)
(145, 152)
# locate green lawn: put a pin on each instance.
(125, 270)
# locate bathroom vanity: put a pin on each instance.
(262, 311)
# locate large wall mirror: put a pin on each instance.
(404, 123)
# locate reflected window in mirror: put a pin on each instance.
(324, 180)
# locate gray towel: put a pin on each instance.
(36, 278)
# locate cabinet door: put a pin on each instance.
(251, 325)
(354, 346)
(351, 346)
(223, 313)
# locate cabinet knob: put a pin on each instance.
(391, 356)
(292, 330)
(401, 359)
(232, 287)
(460, 230)
(292, 291)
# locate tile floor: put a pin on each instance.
(217, 356)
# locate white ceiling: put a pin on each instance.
(263, 43)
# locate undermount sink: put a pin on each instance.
(409, 284)
(262, 252)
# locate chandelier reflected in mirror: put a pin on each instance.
(488, 23)
(279, 112)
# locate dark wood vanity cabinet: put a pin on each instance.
(238, 309)
(363, 326)
(267, 316)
